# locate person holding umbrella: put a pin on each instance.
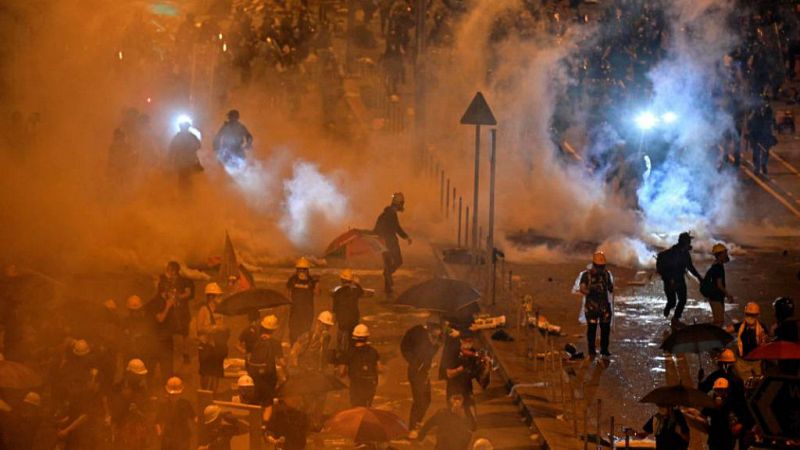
(265, 361)
(418, 346)
(302, 287)
(361, 365)
(750, 334)
(669, 427)
(723, 424)
(597, 285)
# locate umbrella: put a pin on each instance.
(696, 339)
(310, 384)
(14, 375)
(678, 395)
(778, 350)
(440, 294)
(251, 300)
(367, 425)
(355, 242)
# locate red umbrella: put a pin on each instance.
(778, 350)
(355, 242)
(367, 425)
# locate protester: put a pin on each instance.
(388, 228)
(266, 363)
(313, 351)
(713, 285)
(750, 334)
(302, 287)
(287, 425)
(213, 334)
(173, 285)
(219, 428)
(346, 298)
(418, 346)
(175, 418)
(361, 365)
(672, 264)
(468, 366)
(723, 425)
(453, 428)
(669, 427)
(597, 285)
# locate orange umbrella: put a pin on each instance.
(778, 350)
(355, 242)
(367, 425)
(14, 375)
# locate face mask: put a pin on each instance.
(726, 367)
(302, 274)
(750, 320)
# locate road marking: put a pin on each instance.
(785, 163)
(767, 188)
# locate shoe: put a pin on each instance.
(592, 355)
(666, 312)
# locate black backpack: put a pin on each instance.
(707, 288)
(668, 262)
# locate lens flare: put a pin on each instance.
(185, 118)
(669, 117)
(646, 120)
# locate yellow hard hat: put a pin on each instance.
(599, 258)
(718, 248)
(361, 331)
(269, 323)
(134, 302)
(347, 275)
(727, 356)
(213, 289)
(245, 381)
(174, 385)
(721, 383)
(302, 263)
(110, 304)
(80, 348)
(136, 366)
(33, 398)
(325, 317)
(752, 308)
(211, 413)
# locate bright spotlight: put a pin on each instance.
(184, 118)
(669, 117)
(646, 120)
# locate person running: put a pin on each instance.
(672, 264)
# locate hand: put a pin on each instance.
(170, 302)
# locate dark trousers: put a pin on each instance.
(675, 290)
(362, 392)
(760, 158)
(420, 395)
(591, 336)
(264, 392)
(392, 260)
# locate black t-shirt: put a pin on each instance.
(417, 348)
(291, 424)
(164, 330)
(715, 272)
(362, 363)
(666, 430)
(249, 337)
(599, 284)
(262, 359)
(176, 417)
(302, 289)
(345, 305)
(462, 383)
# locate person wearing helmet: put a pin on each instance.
(245, 391)
(128, 406)
(302, 287)
(138, 333)
(670, 428)
(361, 365)
(469, 365)
(346, 297)
(249, 335)
(175, 417)
(25, 422)
(218, 428)
(723, 424)
(266, 361)
(597, 286)
(388, 228)
(750, 334)
(418, 346)
(672, 264)
(713, 287)
(177, 290)
(213, 333)
(232, 141)
(313, 350)
(183, 155)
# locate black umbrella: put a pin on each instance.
(678, 395)
(444, 295)
(251, 300)
(310, 384)
(696, 338)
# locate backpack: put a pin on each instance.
(707, 288)
(668, 262)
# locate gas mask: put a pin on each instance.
(302, 274)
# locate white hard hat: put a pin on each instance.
(245, 381)
(482, 444)
(302, 263)
(213, 288)
(80, 348)
(325, 317)
(134, 302)
(174, 385)
(136, 366)
(32, 398)
(360, 331)
(269, 322)
(347, 275)
(211, 413)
